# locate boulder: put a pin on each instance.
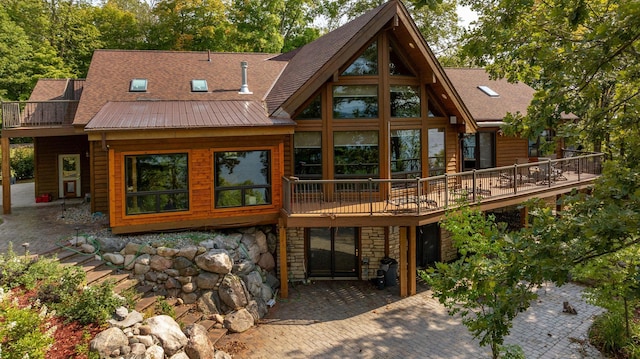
(114, 258)
(137, 249)
(239, 321)
(265, 293)
(110, 244)
(243, 267)
(181, 263)
(138, 350)
(189, 298)
(143, 259)
(254, 283)
(155, 351)
(167, 252)
(207, 280)
(87, 248)
(231, 241)
(222, 355)
(199, 345)
(216, 261)
(272, 242)
(129, 261)
(272, 281)
(132, 319)
(266, 261)
(121, 313)
(108, 341)
(189, 287)
(188, 252)
(181, 355)
(209, 303)
(160, 263)
(141, 269)
(261, 241)
(168, 333)
(232, 292)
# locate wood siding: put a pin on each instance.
(99, 178)
(510, 149)
(202, 212)
(46, 154)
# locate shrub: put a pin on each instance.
(607, 331)
(23, 333)
(22, 162)
(94, 304)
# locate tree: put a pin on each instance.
(122, 24)
(256, 25)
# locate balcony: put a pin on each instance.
(38, 114)
(424, 200)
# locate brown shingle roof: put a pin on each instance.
(181, 115)
(513, 97)
(169, 76)
(57, 89)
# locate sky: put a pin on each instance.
(466, 15)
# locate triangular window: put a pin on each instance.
(312, 111)
(397, 66)
(365, 64)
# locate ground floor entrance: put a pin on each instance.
(428, 245)
(332, 252)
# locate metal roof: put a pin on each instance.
(153, 115)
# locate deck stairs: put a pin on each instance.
(98, 271)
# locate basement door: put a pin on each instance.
(69, 176)
(332, 252)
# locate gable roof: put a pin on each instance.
(315, 63)
(57, 89)
(169, 75)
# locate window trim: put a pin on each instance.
(123, 166)
(136, 85)
(198, 88)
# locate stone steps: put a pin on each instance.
(98, 271)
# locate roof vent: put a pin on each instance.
(244, 89)
(488, 91)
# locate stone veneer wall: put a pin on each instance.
(447, 251)
(372, 246)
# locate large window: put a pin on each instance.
(405, 154)
(357, 101)
(355, 154)
(436, 152)
(478, 150)
(405, 101)
(157, 183)
(307, 155)
(312, 111)
(365, 64)
(541, 146)
(242, 178)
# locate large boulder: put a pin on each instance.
(243, 267)
(232, 292)
(199, 345)
(254, 283)
(114, 258)
(110, 244)
(108, 341)
(239, 321)
(209, 303)
(216, 261)
(160, 263)
(188, 252)
(168, 333)
(266, 261)
(130, 320)
(261, 241)
(207, 280)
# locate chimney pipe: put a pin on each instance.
(244, 89)
(209, 55)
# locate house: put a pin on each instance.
(352, 145)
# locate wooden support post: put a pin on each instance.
(6, 176)
(284, 271)
(524, 216)
(402, 262)
(411, 276)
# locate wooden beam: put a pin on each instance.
(402, 262)
(524, 216)
(6, 176)
(411, 275)
(284, 280)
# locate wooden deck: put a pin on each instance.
(423, 201)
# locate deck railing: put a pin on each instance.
(421, 195)
(38, 113)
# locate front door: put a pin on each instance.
(69, 176)
(428, 245)
(332, 252)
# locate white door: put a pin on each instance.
(69, 175)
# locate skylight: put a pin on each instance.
(138, 85)
(488, 91)
(199, 86)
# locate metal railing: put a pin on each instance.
(421, 195)
(38, 113)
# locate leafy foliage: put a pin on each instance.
(23, 333)
(95, 304)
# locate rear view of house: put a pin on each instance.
(353, 145)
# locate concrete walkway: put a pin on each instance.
(345, 319)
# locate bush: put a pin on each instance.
(23, 333)
(607, 333)
(22, 162)
(94, 304)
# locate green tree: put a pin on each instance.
(256, 25)
(122, 24)
(296, 23)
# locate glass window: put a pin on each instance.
(405, 101)
(397, 66)
(199, 86)
(436, 152)
(359, 101)
(365, 64)
(242, 178)
(486, 146)
(138, 85)
(541, 146)
(405, 154)
(307, 155)
(157, 183)
(312, 111)
(433, 110)
(356, 154)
